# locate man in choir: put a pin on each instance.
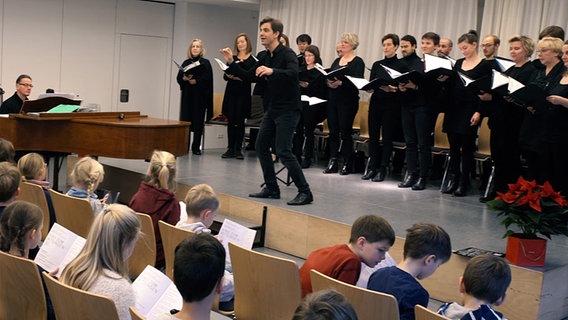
(552, 31)
(303, 41)
(279, 70)
(445, 48)
(490, 46)
(23, 90)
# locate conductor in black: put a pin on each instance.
(279, 70)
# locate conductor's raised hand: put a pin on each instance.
(263, 71)
(227, 54)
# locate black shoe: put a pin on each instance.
(344, 170)
(409, 180)
(420, 184)
(266, 194)
(331, 166)
(462, 189)
(228, 154)
(380, 176)
(451, 185)
(239, 155)
(301, 199)
(306, 163)
(196, 152)
(490, 196)
(371, 173)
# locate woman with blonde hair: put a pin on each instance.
(156, 197)
(34, 170)
(196, 85)
(85, 177)
(102, 267)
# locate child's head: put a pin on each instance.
(428, 243)
(10, 178)
(20, 227)
(486, 277)
(162, 170)
(33, 167)
(87, 174)
(7, 152)
(371, 237)
(202, 203)
(325, 305)
(110, 243)
(199, 265)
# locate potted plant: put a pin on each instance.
(534, 209)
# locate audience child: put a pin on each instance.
(483, 285)
(427, 246)
(325, 305)
(202, 205)
(10, 179)
(20, 233)
(371, 238)
(102, 267)
(7, 152)
(85, 177)
(199, 264)
(34, 170)
(155, 197)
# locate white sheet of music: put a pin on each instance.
(59, 248)
(499, 79)
(155, 294)
(238, 234)
(433, 62)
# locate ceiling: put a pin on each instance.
(243, 4)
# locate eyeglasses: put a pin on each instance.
(29, 85)
(487, 45)
(544, 50)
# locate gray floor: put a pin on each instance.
(344, 198)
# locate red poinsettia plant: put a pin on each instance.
(533, 208)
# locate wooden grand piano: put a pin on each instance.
(125, 135)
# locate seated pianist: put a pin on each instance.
(23, 89)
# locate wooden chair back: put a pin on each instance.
(21, 293)
(33, 193)
(367, 303)
(441, 143)
(71, 303)
(363, 116)
(145, 250)
(483, 144)
(421, 313)
(217, 103)
(171, 237)
(135, 315)
(73, 213)
(266, 287)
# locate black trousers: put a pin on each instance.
(340, 115)
(417, 126)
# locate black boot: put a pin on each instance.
(380, 176)
(420, 184)
(370, 174)
(463, 187)
(409, 180)
(345, 169)
(332, 166)
(452, 183)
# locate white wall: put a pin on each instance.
(72, 45)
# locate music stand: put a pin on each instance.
(286, 182)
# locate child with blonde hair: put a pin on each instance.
(202, 205)
(102, 265)
(85, 177)
(155, 197)
(34, 170)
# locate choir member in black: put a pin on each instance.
(417, 115)
(237, 99)
(556, 130)
(445, 47)
(303, 41)
(23, 90)
(196, 87)
(284, 40)
(490, 46)
(312, 84)
(463, 115)
(343, 104)
(505, 117)
(278, 69)
(384, 112)
(536, 130)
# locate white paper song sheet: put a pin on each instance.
(59, 248)
(155, 294)
(238, 234)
